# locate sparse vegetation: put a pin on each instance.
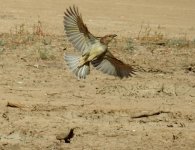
(129, 45)
(41, 42)
(21, 37)
(2, 42)
(46, 54)
(148, 36)
(181, 42)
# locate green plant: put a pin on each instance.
(45, 54)
(2, 42)
(129, 45)
(178, 42)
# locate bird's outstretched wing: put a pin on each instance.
(76, 31)
(108, 64)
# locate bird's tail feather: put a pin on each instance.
(73, 63)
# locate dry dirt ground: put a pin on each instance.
(44, 107)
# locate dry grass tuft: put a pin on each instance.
(20, 35)
(37, 41)
(150, 37)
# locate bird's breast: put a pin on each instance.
(98, 48)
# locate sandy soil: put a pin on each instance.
(155, 109)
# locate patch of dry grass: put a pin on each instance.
(39, 43)
(154, 36)
(148, 35)
(129, 45)
(22, 38)
(20, 35)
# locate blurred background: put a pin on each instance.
(174, 17)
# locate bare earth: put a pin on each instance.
(40, 99)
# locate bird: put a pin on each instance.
(93, 50)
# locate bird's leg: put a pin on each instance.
(93, 55)
(89, 57)
(83, 60)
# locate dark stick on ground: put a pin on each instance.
(148, 114)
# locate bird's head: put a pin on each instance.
(107, 38)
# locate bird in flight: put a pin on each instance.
(94, 50)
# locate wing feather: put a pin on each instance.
(76, 31)
(108, 64)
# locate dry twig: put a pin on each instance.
(15, 105)
(148, 114)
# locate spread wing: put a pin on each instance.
(76, 31)
(108, 64)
